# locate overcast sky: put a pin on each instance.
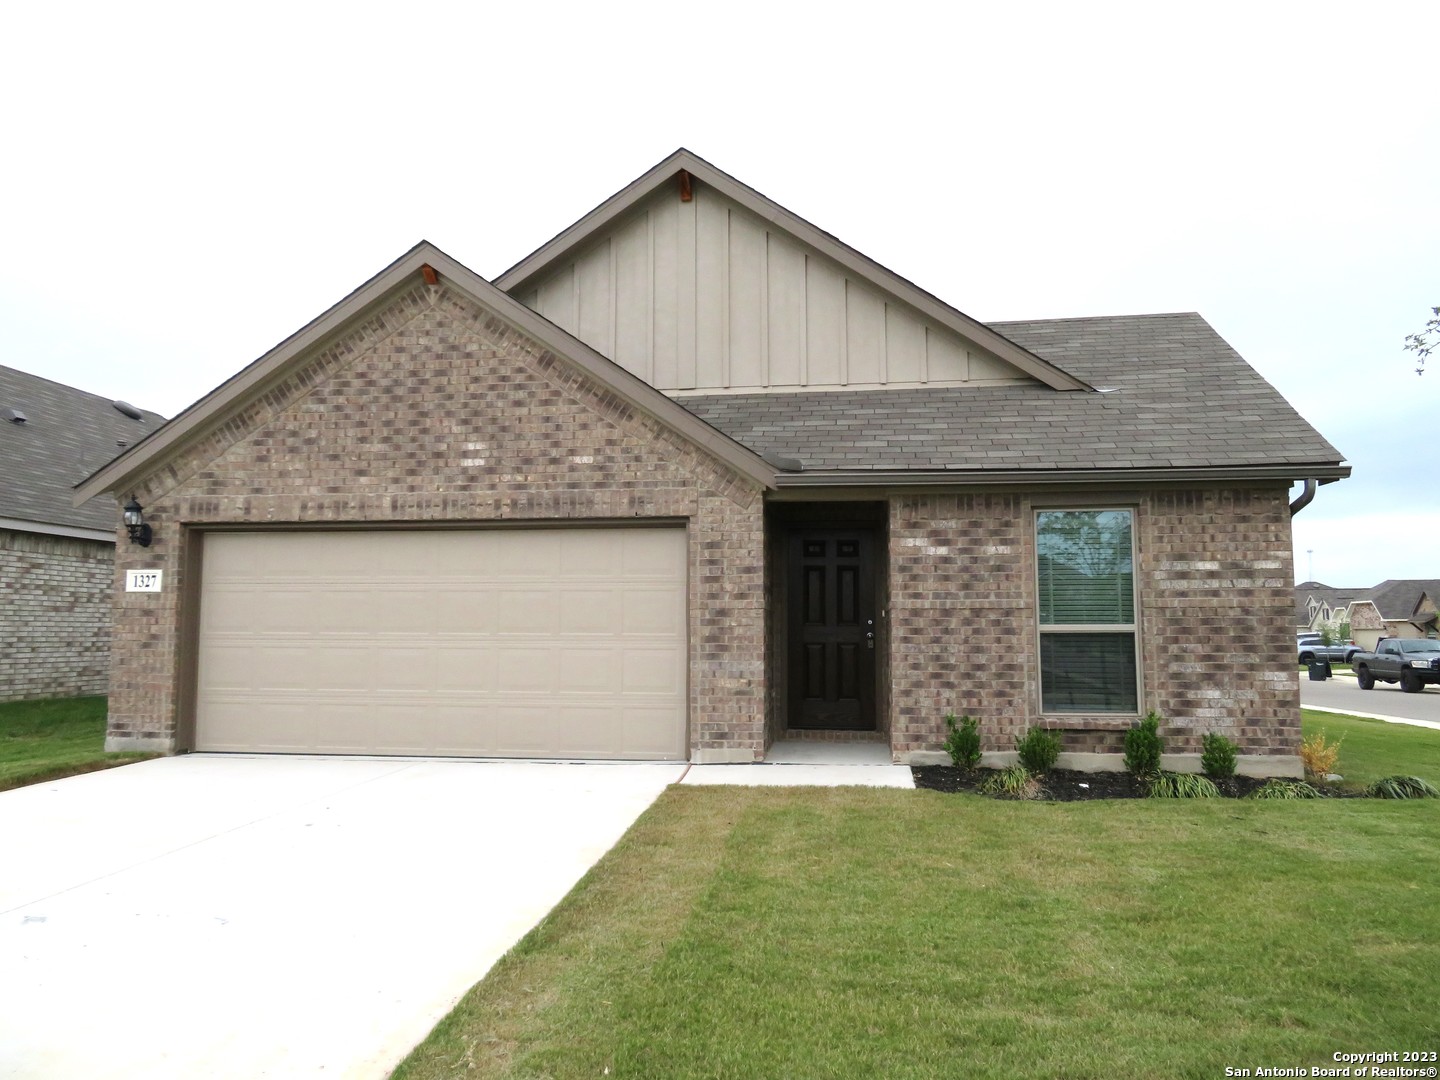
(186, 185)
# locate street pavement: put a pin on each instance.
(1344, 694)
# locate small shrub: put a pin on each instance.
(963, 742)
(1170, 785)
(1318, 756)
(1275, 788)
(1143, 745)
(1401, 787)
(1012, 782)
(1217, 756)
(1038, 750)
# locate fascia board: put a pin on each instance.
(252, 379)
(1032, 477)
(862, 266)
(73, 532)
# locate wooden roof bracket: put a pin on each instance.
(685, 193)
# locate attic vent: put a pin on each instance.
(128, 409)
(15, 416)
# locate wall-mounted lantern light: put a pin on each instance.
(135, 523)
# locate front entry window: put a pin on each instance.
(1085, 563)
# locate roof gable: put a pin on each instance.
(426, 263)
(696, 282)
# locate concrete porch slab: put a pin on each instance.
(797, 763)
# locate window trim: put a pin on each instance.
(1132, 628)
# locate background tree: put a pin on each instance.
(1422, 343)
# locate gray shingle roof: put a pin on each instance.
(1330, 595)
(67, 435)
(1184, 398)
(1397, 598)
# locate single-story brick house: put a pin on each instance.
(696, 476)
(57, 560)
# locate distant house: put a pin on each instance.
(1401, 607)
(56, 560)
(1318, 605)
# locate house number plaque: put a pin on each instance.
(143, 580)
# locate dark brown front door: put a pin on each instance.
(831, 614)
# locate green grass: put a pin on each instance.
(1372, 748)
(45, 740)
(746, 932)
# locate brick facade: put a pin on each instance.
(55, 615)
(433, 410)
(1215, 601)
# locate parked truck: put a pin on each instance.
(1309, 650)
(1412, 662)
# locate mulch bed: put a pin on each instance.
(1065, 785)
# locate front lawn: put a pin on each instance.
(1372, 748)
(756, 932)
(45, 740)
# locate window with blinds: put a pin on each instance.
(1085, 563)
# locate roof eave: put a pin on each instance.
(1069, 477)
(139, 459)
(879, 276)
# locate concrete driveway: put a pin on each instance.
(246, 917)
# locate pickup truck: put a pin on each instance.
(1412, 662)
(1309, 649)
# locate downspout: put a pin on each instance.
(1304, 498)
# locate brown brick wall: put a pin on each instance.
(436, 411)
(1216, 603)
(54, 615)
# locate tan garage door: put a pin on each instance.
(505, 642)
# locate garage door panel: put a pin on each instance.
(465, 667)
(649, 731)
(653, 610)
(645, 553)
(582, 557)
(590, 671)
(242, 723)
(590, 611)
(401, 668)
(653, 671)
(545, 642)
(527, 730)
(526, 611)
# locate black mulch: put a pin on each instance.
(1064, 785)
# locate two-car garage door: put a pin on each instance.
(507, 642)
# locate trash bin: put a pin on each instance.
(1319, 670)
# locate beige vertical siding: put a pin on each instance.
(706, 296)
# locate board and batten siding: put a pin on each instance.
(705, 296)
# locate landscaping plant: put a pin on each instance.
(1038, 750)
(963, 741)
(1143, 745)
(1170, 785)
(1217, 757)
(1401, 787)
(1012, 782)
(1275, 788)
(1318, 756)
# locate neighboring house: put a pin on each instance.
(57, 560)
(1318, 605)
(693, 477)
(1395, 608)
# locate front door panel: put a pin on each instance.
(831, 608)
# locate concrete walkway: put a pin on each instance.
(797, 763)
(233, 917)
